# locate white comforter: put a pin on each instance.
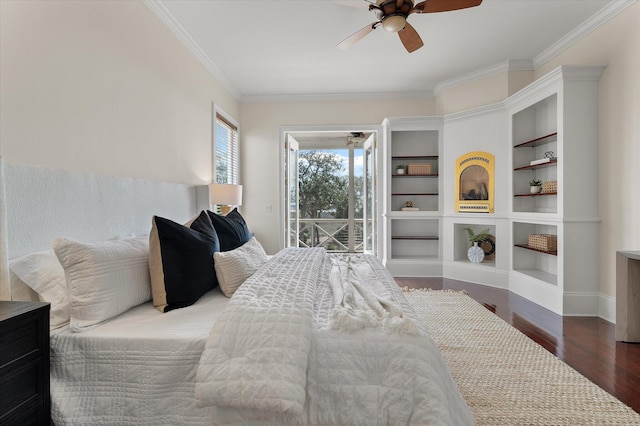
(278, 354)
(136, 369)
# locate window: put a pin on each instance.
(225, 150)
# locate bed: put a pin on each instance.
(305, 338)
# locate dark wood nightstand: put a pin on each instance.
(24, 363)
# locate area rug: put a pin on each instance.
(507, 378)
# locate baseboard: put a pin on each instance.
(580, 304)
(478, 274)
(607, 308)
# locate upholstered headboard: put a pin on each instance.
(40, 204)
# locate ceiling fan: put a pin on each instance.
(392, 16)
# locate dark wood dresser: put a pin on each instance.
(24, 363)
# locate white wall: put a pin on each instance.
(103, 86)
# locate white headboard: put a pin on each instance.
(40, 204)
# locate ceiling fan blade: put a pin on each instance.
(356, 37)
(432, 6)
(410, 38)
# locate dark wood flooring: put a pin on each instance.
(587, 344)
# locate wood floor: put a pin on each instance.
(586, 344)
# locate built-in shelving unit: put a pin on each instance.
(412, 199)
(528, 146)
(554, 138)
(547, 131)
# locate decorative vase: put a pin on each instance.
(400, 171)
(536, 189)
(475, 253)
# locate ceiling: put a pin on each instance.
(272, 49)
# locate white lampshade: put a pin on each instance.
(226, 194)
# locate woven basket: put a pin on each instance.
(550, 186)
(419, 169)
(544, 242)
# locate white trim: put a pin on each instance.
(167, 18)
(338, 97)
(470, 113)
(502, 67)
(580, 304)
(607, 308)
(489, 276)
(584, 29)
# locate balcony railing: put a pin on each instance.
(332, 234)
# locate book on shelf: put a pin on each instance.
(410, 209)
(540, 161)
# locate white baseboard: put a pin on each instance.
(607, 308)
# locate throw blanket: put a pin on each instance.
(278, 354)
(357, 298)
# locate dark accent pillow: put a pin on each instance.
(232, 230)
(181, 261)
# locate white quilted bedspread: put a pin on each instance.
(274, 355)
(136, 369)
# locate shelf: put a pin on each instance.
(537, 166)
(414, 176)
(416, 238)
(542, 140)
(535, 195)
(524, 246)
(415, 157)
(415, 193)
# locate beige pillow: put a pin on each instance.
(233, 267)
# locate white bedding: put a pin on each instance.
(138, 368)
(273, 356)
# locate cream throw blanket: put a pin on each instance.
(356, 299)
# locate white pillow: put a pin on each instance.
(43, 273)
(233, 267)
(104, 279)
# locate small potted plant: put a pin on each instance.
(476, 253)
(536, 186)
(477, 238)
(400, 169)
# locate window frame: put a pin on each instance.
(219, 115)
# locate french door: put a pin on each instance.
(354, 233)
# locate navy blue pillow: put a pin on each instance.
(181, 261)
(232, 230)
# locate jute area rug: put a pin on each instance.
(507, 378)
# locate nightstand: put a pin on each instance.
(24, 363)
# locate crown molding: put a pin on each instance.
(601, 17)
(339, 97)
(480, 111)
(167, 18)
(502, 67)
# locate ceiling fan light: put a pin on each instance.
(394, 23)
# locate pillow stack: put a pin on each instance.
(88, 283)
(181, 257)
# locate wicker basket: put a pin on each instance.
(550, 186)
(419, 169)
(544, 242)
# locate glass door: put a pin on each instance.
(291, 199)
(369, 192)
